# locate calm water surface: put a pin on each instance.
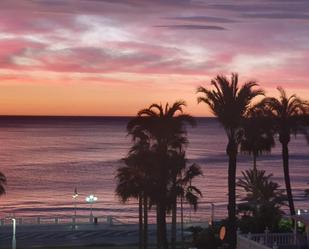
(44, 159)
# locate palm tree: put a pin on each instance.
(258, 134)
(288, 116)
(182, 177)
(263, 200)
(178, 161)
(166, 128)
(257, 186)
(129, 186)
(134, 181)
(189, 192)
(229, 104)
(2, 183)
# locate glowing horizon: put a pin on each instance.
(113, 58)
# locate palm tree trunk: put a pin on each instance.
(161, 205)
(140, 222)
(162, 242)
(181, 217)
(254, 161)
(145, 230)
(231, 235)
(163, 226)
(174, 223)
(164, 231)
(159, 239)
(285, 158)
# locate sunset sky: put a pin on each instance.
(114, 57)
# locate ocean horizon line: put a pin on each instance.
(83, 116)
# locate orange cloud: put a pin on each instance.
(116, 57)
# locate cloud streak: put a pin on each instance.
(206, 19)
(155, 44)
(191, 27)
(275, 15)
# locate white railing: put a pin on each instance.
(62, 220)
(279, 239)
(246, 243)
(80, 219)
(269, 240)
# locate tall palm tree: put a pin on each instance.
(166, 128)
(288, 114)
(258, 134)
(2, 183)
(230, 103)
(181, 187)
(179, 164)
(134, 181)
(189, 192)
(129, 186)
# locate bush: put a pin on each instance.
(263, 201)
(206, 238)
(285, 225)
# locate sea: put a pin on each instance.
(45, 159)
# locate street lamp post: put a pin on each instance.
(74, 196)
(91, 199)
(212, 213)
(14, 234)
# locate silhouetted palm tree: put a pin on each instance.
(229, 104)
(134, 181)
(259, 187)
(288, 117)
(258, 134)
(263, 200)
(189, 192)
(166, 128)
(129, 186)
(2, 183)
(179, 164)
(182, 188)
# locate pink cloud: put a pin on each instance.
(149, 49)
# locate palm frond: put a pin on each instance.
(229, 102)
(3, 182)
(176, 107)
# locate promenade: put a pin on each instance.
(31, 236)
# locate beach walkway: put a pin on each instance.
(30, 236)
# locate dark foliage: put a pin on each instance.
(262, 204)
(2, 183)
(289, 115)
(258, 134)
(230, 104)
(165, 130)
